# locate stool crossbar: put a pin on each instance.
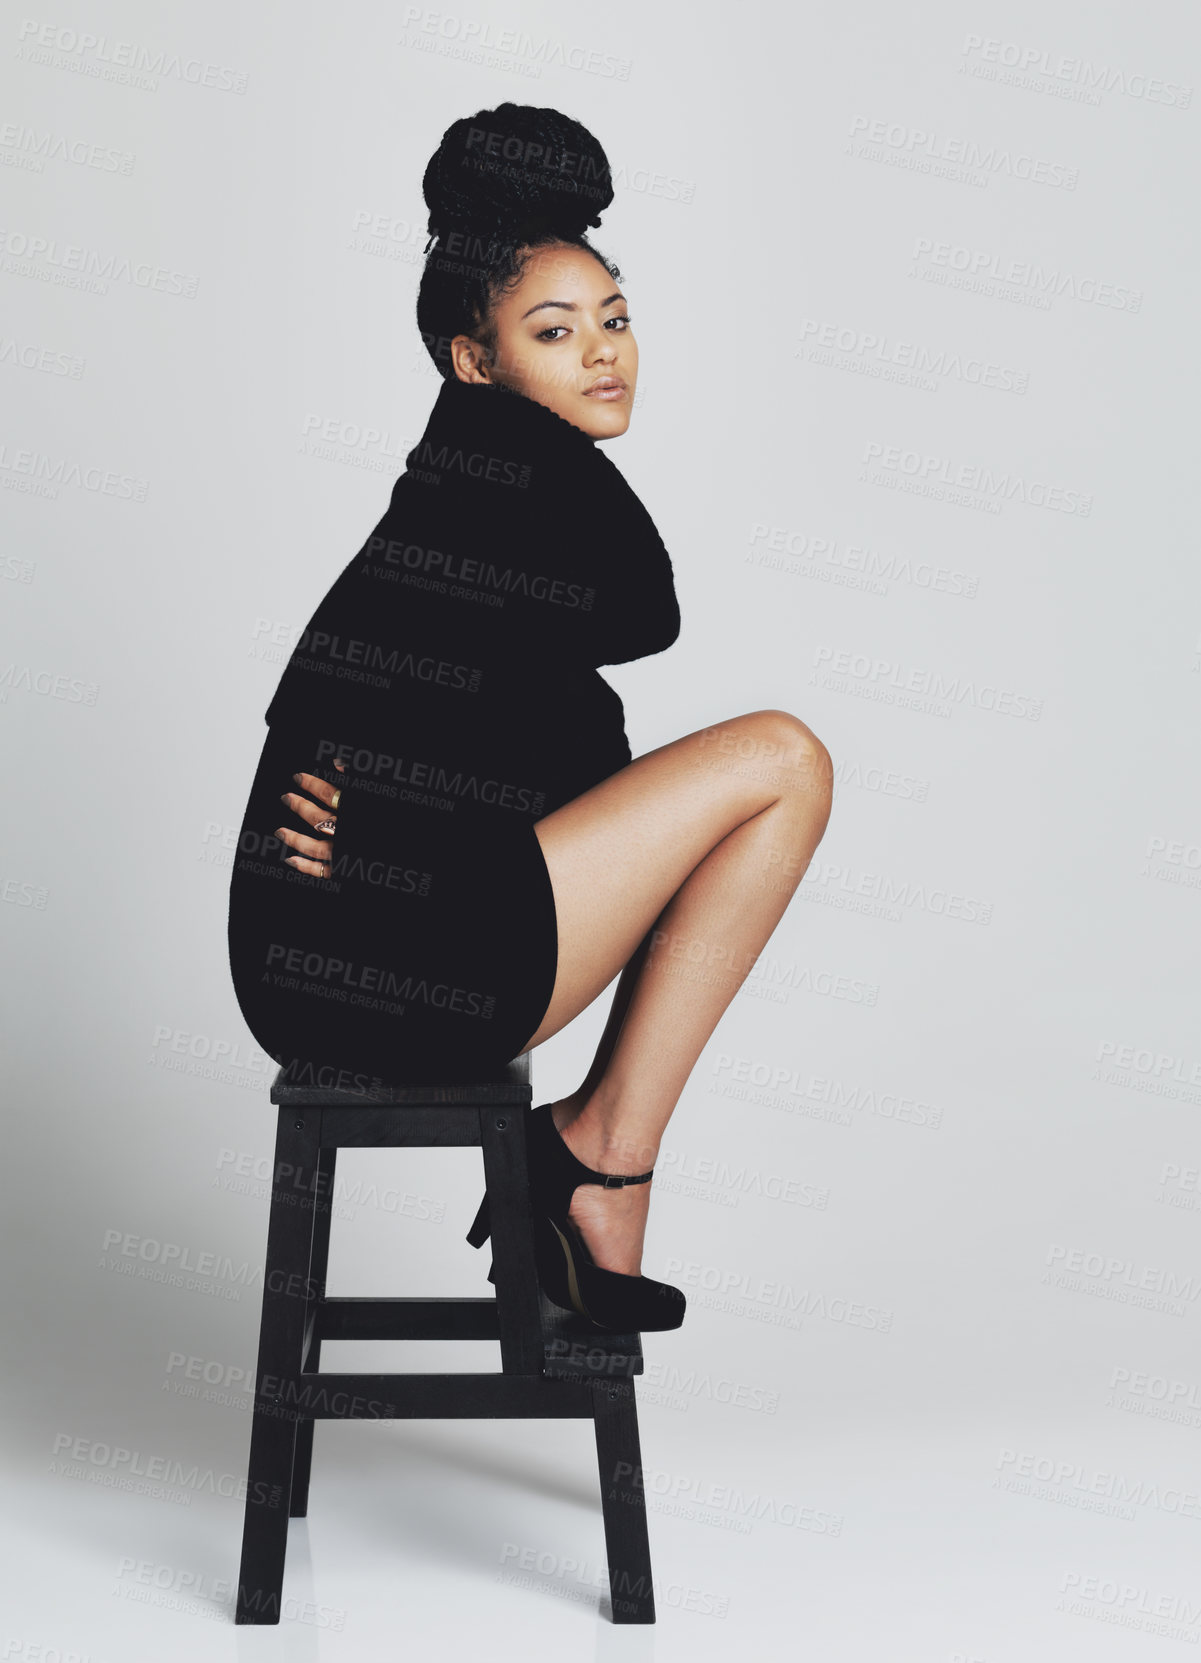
(553, 1365)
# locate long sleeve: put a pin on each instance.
(455, 656)
(568, 564)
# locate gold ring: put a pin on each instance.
(337, 797)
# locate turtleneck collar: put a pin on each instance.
(481, 430)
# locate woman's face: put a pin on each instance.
(563, 338)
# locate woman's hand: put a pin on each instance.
(313, 854)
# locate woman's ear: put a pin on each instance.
(469, 359)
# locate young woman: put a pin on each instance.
(470, 853)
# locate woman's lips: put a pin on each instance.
(608, 391)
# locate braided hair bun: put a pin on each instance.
(516, 170)
(502, 182)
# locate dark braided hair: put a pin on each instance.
(502, 183)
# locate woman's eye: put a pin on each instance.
(556, 331)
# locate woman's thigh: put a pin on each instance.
(619, 852)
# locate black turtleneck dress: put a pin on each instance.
(452, 668)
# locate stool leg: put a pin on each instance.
(281, 1338)
(315, 1293)
(502, 1139)
(623, 1501)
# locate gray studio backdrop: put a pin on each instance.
(915, 293)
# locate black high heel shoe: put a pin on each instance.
(568, 1274)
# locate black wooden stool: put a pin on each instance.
(553, 1365)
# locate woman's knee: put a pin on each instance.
(783, 741)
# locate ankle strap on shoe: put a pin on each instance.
(552, 1155)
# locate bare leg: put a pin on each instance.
(622, 995)
(684, 862)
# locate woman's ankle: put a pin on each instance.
(603, 1137)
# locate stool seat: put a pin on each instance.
(554, 1364)
(510, 1084)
